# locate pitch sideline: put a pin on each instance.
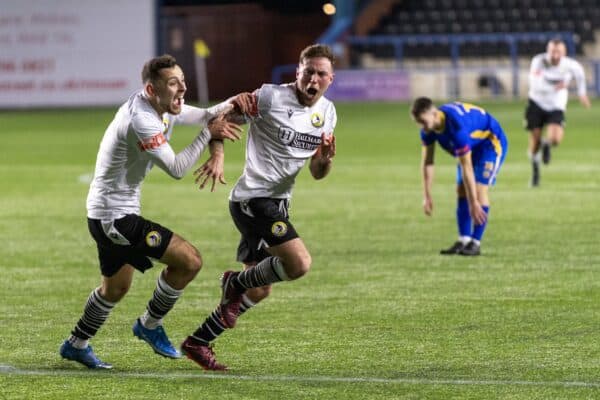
(10, 370)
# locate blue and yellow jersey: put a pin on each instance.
(466, 128)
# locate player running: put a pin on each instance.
(549, 77)
(477, 140)
(135, 141)
(292, 124)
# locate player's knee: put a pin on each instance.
(188, 263)
(115, 292)
(193, 264)
(300, 266)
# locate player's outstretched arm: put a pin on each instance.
(320, 163)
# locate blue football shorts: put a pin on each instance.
(487, 158)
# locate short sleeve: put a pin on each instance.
(331, 118)
(459, 134)
(427, 138)
(461, 142)
(264, 98)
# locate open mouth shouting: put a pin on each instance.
(177, 103)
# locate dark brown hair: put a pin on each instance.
(317, 50)
(420, 105)
(557, 41)
(151, 70)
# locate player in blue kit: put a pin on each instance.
(477, 140)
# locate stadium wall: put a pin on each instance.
(245, 41)
(53, 54)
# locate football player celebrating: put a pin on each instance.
(137, 139)
(549, 77)
(477, 140)
(290, 125)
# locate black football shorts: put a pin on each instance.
(128, 240)
(536, 117)
(263, 222)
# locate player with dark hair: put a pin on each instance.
(135, 141)
(549, 77)
(477, 140)
(292, 123)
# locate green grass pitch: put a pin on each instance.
(380, 316)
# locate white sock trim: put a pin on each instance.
(464, 239)
(104, 301)
(78, 343)
(279, 270)
(165, 287)
(149, 322)
(247, 302)
(537, 158)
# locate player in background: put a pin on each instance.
(477, 141)
(293, 123)
(549, 77)
(135, 141)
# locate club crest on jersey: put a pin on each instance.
(290, 112)
(279, 228)
(317, 120)
(153, 239)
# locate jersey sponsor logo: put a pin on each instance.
(279, 228)
(153, 142)
(317, 120)
(554, 81)
(286, 135)
(291, 138)
(153, 239)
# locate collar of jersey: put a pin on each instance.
(442, 120)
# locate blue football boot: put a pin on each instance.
(83, 356)
(157, 339)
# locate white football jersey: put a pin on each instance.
(543, 78)
(280, 139)
(136, 139)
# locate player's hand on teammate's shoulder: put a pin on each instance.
(220, 128)
(246, 104)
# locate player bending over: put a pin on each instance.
(476, 140)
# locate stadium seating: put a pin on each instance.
(411, 17)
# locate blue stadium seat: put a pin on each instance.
(486, 16)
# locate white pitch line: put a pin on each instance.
(9, 370)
